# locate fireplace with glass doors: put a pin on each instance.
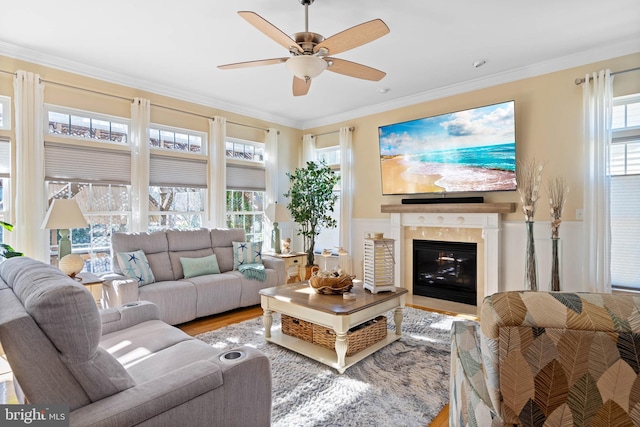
(445, 270)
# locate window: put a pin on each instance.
(86, 125)
(177, 178)
(245, 209)
(245, 150)
(330, 238)
(5, 170)
(176, 139)
(175, 207)
(106, 207)
(624, 169)
(246, 188)
(5, 112)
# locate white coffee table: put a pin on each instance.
(331, 311)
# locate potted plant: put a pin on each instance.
(311, 200)
(7, 251)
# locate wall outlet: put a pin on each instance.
(579, 214)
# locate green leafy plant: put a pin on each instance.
(7, 251)
(311, 201)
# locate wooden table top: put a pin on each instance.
(302, 294)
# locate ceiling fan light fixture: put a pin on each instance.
(306, 67)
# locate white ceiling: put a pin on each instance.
(174, 47)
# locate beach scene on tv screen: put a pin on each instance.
(470, 150)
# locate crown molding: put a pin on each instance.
(601, 53)
(45, 59)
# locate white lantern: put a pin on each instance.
(379, 261)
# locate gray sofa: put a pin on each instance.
(178, 299)
(121, 366)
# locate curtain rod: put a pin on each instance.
(333, 131)
(579, 81)
(131, 100)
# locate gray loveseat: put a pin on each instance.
(178, 299)
(121, 366)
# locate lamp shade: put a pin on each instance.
(63, 214)
(277, 212)
(306, 67)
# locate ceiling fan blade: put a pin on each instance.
(353, 69)
(354, 37)
(270, 30)
(257, 63)
(300, 87)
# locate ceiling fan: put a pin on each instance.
(309, 51)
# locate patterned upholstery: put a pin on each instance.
(548, 359)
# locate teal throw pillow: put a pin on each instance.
(135, 266)
(193, 267)
(246, 253)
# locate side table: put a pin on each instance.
(94, 284)
(292, 264)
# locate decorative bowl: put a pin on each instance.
(332, 285)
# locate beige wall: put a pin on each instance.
(548, 124)
(59, 93)
(548, 111)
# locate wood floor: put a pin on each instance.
(209, 324)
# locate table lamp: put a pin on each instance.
(62, 215)
(277, 213)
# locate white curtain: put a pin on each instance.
(217, 182)
(346, 191)
(28, 236)
(140, 118)
(271, 180)
(597, 92)
(308, 149)
(271, 164)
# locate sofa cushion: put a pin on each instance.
(217, 292)
(161, 266)
(176, 264)
(193, 267)
(135, 265)
(246, 253)
(176, 300)
(130, 345)
(149, 243)
(224, 237)
(188, 240)
(225, 258)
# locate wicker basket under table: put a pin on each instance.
(358, 338)
(297, 328)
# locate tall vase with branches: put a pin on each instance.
(311, 201)
(557, 197)
(529, 177)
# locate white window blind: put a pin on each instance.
(65, 162)
(625, 231)
(168, 171)
(245, 178)
(5, 158)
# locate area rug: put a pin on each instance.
(404, 384)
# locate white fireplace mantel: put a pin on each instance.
(484, 216)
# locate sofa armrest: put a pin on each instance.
(246, 379)
(118, 290)
(276, 264)
(469, 401)
(127, 315)
(145, 401)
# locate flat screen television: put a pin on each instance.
(466, 151)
